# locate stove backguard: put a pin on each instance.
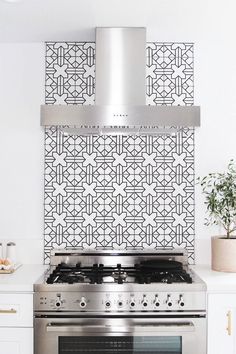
(112, 258)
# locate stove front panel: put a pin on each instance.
(120, 301)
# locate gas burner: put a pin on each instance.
(78, 276)
(161, 271)
(168, 277)
(119, 276)
(66, 276)
(164, 280)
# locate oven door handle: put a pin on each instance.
(160, 327)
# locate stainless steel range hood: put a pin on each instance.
(120, 97)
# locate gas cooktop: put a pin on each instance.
(146, 272)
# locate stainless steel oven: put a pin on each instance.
(139, 333)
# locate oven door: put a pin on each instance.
(120, 336)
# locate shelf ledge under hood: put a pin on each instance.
(128, 116)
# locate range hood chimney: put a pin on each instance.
(120, 97)
(120, 66)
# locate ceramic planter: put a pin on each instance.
(223, 253)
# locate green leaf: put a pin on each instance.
(220, 193)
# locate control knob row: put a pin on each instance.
(145, 301)
(108, 303)
(82, 303)
(156, 301)
(169, 301)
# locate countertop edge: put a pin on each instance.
(22, 280)
(216, 282)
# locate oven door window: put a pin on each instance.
(120, 345)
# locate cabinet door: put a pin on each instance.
(16, 340)
(16, 310)
(221, 323)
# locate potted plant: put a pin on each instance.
(220, 192)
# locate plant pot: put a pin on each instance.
(223, 254)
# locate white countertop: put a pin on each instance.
(23, 279)
(217, 282)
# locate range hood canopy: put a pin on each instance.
(120, 97)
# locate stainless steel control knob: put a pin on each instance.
(169, 301)
(181, 301)
(120, 303)
(58, 303)
(144, 301)
(132, 303)
(83, 302)
(108, 304)
(157, 302)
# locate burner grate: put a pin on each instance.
(142, 273)
(163, 277)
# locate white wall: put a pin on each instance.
(215, 90)
(215, 82)
(208, 23)
(21, 147)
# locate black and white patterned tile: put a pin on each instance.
(119, 192)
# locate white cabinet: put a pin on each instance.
(16, 340)
(221, 323)
(16, 323)
(16, 310)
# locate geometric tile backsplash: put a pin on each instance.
(119, 192)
